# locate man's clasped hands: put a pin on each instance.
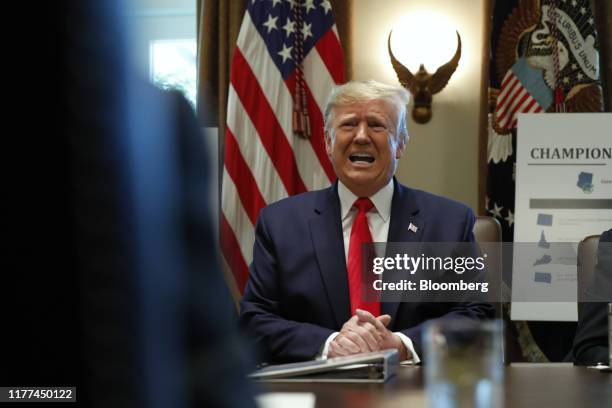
(364, 333)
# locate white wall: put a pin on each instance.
(442, 155)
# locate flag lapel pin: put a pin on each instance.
(412, 228)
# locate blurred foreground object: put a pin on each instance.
(117, 289)
(465, 367)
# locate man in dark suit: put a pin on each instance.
(591, 340)
(302, 299)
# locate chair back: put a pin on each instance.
(587, 259)
(487, 229)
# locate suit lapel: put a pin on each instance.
(404, 212)
(328, 242)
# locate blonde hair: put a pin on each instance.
(359, 91)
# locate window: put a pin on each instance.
(173, 66)
(163, 43)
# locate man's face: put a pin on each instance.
(365, 149)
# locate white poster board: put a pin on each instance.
(563, 194)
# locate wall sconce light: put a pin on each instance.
(423, 85)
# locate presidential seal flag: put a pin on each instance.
(287, 59)
(544, 59)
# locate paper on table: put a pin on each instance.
(286, 399)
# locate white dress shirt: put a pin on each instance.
(378, 221)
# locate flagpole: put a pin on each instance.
(483, 135)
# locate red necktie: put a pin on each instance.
(360, 234)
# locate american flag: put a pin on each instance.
(523, 90)
(287, 59)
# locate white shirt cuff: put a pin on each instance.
(325, 350)
(408, 343)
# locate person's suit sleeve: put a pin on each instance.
(591, 335)
(477, 309)
(281, 340)
(591, 339)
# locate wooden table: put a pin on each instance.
(526, 385)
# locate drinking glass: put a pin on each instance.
(463, 363)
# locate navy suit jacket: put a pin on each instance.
(297, 294)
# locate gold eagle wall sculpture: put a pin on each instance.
(423, 85)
